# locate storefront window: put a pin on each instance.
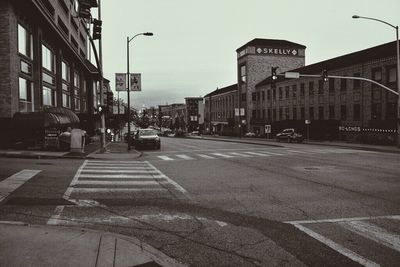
(25, 95)
(49, 96)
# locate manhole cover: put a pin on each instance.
(44, 163)
(312, 168)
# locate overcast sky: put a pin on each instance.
(193, 48)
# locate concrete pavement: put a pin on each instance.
(33, 245)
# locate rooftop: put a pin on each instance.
(226, 89)
(270, 42)
(377, 52)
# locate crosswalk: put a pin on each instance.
(253, 153)
(369, 241)
(124, 179)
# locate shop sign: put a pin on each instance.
(277, 51)
(268, 128)
(349, 128)
(120, 81)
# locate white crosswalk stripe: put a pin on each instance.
(104, 177)
(365, 227)
(252, 153)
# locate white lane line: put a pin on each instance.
(257, 154)
(296, 151)
(116, 162)
(88, 167)
(115, 190)
(116, 176)
(205, 156)
(114, 171)
(240, 154)
(165, 158)
(271, 153)
(394, 217)
(80, 182)
(335, 246)
(374, 233)
(175, 184)
(222, 155)
(13, 182)
(185, 157)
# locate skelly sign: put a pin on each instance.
(277, 51)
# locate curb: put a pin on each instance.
(376, 149)
(158, 256)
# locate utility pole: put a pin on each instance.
(102, 122)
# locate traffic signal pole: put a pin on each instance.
(102, 118)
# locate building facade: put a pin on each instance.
(219, 110)
(343, 108)
(45, 60)
(194, 113)
(254, 62)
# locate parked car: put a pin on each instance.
(289, 135)
(147, 138)
(250, 134)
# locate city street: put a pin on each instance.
(215, 203)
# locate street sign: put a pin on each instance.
(292, 75)
(136, 83)
(120, 81)
(308, 122)
(268, 128)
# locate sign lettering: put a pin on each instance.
(277, 51)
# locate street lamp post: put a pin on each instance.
(398, 69)
(128, 40)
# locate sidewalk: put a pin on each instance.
(114, 150)
(34, 245)
(272, 142)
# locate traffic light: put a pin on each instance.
(325, 75)
(96, 29)
(274, 77)
(84, 9)
(110, 101)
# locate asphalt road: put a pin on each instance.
(213, 203)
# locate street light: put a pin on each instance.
(128, 40)
(398, 69)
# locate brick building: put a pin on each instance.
(219, 110)
(44, 50)
(338, 108)
(194, 113)
(254, 62)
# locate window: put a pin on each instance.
(65, 71)
(356, 83)
(377, 74)
(263, 113)
(243, 96)
(343, 85)
(280, 93)
(356, 112)
(243, 73)
(66, 100)
(268, 94)
(320, 113)
(311, 88)
(258, 96)
(253, 97)
(25, 95)
(253, 114)
(269, 114)
(24, 42)
(390, 111)
(274, 94)
(302, 90)
(331, 85)
(302, 113)
(391, 75)
(47, 59)
(263, 96)
(294, 91)
(343, 112)
(331, 112)
(280, 114)
(286, 113)
(294, 113)
(287, 92)
(274, 114)
(311, 113)
(320, 87)
(49, 96)
(376, 111)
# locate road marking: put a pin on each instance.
(222, 155)
(116, 176)
(116, 171)
(115, 190)
(13, 182)
(296, 151)
(165, 158)
(55, 218)
(80, 182)
(374, 233)
(240, 154)
(394, 217)
(272, 153)
(205, 156)
(89, 167)
(185, 157)
(335, 246)
(257, 154)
